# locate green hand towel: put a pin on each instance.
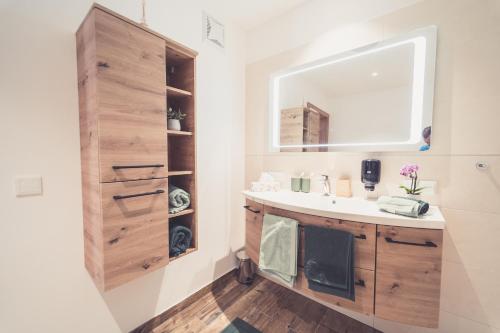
(178, 199)
(278, 247)
(403, 206)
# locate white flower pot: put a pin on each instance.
(413, 196)
(174, 124)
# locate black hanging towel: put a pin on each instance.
(329, 261)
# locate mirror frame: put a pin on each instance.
(425, 41)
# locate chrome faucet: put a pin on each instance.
(326, 185)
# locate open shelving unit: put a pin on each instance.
(174, 132)
(180, 93)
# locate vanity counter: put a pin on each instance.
(355, 209)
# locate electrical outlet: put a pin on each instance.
(28, 186)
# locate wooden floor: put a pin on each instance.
(267, 306)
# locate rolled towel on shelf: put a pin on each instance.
(178, 199)
(180, 239)
(403, 206)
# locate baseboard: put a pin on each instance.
(157, 320)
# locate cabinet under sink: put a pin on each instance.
(397, 270)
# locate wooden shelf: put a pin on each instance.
(172, 132)
(188, 251)
(179, 173)
(171, 91)
(181, 213)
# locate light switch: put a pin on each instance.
(28, 185)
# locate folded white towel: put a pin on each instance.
(402, 206)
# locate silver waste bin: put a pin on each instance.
(246, 270)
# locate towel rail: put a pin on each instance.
(118, 167)
(426, 244)
(120, 197)
(247, 207)
(360, 283)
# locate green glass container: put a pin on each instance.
(296, 184)
(305, 185)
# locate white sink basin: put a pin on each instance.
(355, 209)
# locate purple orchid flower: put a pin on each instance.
(411, 170)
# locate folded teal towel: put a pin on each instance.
(178, 199)
(278, 247)
(403, 206)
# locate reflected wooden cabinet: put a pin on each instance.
(125, 145)
(397, 270)
(307, 125)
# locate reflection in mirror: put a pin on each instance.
(378, 98)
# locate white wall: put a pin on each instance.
(44, 286)
(465, 131)
(310, 19)
(295, 92)
(374, 116)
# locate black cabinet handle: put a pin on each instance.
(360, 283)
(247, 207)
(119, 197)
(362, 236)
(118, 167)
(426, 244)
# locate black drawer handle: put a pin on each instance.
(360, 283)
(426, 244)
(118, 167)
(247, 207)
(119, 197)
(361, 236)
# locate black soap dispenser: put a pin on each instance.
(370, 173)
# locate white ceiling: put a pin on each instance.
(251, 13)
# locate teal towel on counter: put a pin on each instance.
(278, 247)
(403, 206)
(178, 199)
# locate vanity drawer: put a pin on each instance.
(253, 229)
(364, 233)
(409, 275)
(135, 229)
(363, 292)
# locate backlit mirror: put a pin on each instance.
(374, 98)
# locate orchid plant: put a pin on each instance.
(171, 114)
(411, 171)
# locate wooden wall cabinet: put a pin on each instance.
(128, 156)
(397, 270)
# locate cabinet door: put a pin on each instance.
(253, 229)
(363, 290)
(408, 275)
(131, 99)
(135, 229)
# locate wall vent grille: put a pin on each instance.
(213, 30)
